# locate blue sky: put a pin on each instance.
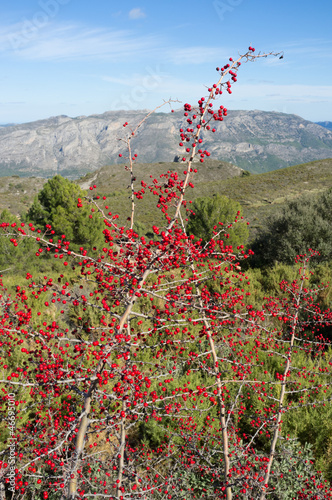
(78, 57)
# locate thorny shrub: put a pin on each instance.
(169, 384)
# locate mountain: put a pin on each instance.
(257, 141)
(327, 125)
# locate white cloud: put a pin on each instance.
(150, 79)
(302, 52)
(136, 14)
(157, 86)
(71, 41)
(67, 42)
(297, 99)
(121, 81)
(281, 92)
(198, 55)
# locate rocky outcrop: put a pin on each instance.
(257, 141)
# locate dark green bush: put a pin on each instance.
(56, 204)
(209, 212)
(302, 224)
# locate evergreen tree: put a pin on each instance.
(302, 224)
(56, 204)
(13, 257)
(208, 213)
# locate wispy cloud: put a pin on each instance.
(68, 42)
(148, 79)
(12, 103)
(162, 85)
(136, 14)
(197, 55)
(61, 42)
(121, 81)
(317, 47)
(298, 92)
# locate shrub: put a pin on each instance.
(56, 205)
(303, 224)
(169, 383)
(211, 216)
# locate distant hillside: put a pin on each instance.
(17, 193)
(253, 140)
(259, 195)
(327, 125)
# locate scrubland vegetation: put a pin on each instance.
(149, 352)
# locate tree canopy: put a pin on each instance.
(209, 212)
(302, 224)
(56, 204)
(13, 258)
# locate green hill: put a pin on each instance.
(260, 195)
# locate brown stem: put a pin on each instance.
(121, 459)
(222, 421)
(131, 186)
(2, 490)
(80, 438)
(282, 393)
(222, 417)
(87, 406)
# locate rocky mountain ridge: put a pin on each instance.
(257, 141)
(325, 124)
